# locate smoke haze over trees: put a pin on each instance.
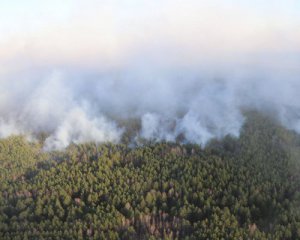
(190, 107)
(162, 119)
(180, 70)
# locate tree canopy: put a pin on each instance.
(234, 188)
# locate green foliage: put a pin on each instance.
(246, 188)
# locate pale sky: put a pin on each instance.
(112, 32)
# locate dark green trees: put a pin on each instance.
(246, 188)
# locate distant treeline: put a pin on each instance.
(245, 188)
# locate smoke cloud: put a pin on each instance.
(179, 70)
(181, 106)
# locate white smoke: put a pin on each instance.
(184, 70)
(169, 105)
(77, 127)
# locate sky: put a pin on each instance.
(110, 34)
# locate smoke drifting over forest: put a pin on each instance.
(179, 76)
(192, 106)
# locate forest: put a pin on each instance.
(232, 188)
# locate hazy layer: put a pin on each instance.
(196, 106)
(183, 69)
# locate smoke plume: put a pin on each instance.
(179, 70)
(168, 106)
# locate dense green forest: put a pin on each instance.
(245, 188)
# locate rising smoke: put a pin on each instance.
(181, 72)
(190, 107)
